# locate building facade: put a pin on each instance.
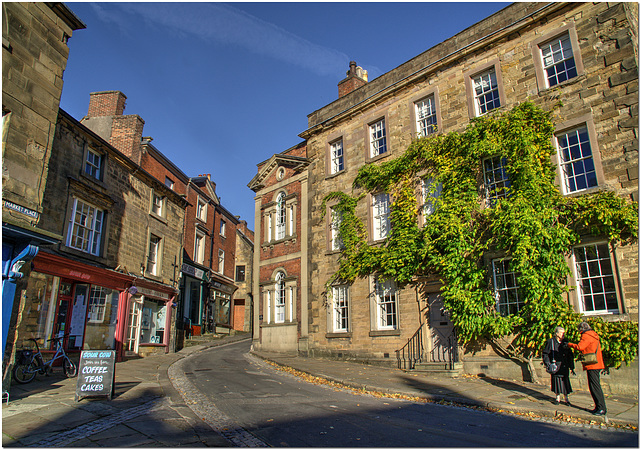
(34, 57)
(584, 54)
(243, 297)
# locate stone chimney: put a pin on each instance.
(105, 118)
(356, 77)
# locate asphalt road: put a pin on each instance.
(252, 403)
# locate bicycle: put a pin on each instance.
(29, 363)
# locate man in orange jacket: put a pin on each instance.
(589, 343)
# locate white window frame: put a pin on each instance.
(93, 164)
(280, 298)
(340, 308)
(154, 255)
(386, 297)
(558, 52)
(591, 282)
(336, 220)
(380, 214)
(281, 217)
(201, 210)
(86, 227)
(336, 151)
(97, 303)
(485, 85)
(199, 247)
(577, 159)
(496, 178)
(168, 182)
(223, 228)
(426, 116)
(505, 285)
(157, 204)
(377, 138)
(221, 261)
(431, 191)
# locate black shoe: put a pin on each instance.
(600, 412)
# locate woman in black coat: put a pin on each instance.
(556, 349)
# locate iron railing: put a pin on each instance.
(446, 353)
(412, 352)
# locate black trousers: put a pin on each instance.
(593, 376)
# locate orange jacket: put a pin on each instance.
(589, 342)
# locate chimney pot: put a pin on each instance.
(356, 77)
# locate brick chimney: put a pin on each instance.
(356, 77)
(105, 118)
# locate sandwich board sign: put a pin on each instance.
(96, 374)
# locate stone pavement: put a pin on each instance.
(152, 405)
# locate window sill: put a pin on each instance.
(338, 335)
(272, 243)
(332, 252)
(158, 217)
(585, 191)
(551, 90)
(385, 333)
(333, 175)
(286, 323)
(82, 254)
(153, 277)
(370, 159)
(98, 182)
(147, 345)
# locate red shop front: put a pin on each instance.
(98, 308)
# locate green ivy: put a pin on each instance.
(534, 225)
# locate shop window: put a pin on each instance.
(153, 322)
(223, 308)
(102, 314)
(85, 228)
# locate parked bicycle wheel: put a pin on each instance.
(70, 369)
(25, 373)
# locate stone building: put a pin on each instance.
(584, 54)
(243, 297)
(111, 282)
(34, 58)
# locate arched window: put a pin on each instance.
(280, 298)
(280, 217)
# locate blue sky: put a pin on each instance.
(223, 86)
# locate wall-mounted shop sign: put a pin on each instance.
(21, 209)
(154, 293)
(221, 287)
(193, 271)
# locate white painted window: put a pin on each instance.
(201, 210)
(506, 287)
(220, 261)
(431, 191)
(281, 213)
(336, 241)
(485, 91)
(337, 157)
(386, 295)
(223, 228)
(291, 222)
(168, 182)
(153, 260)
(426, 119)
(595, 279)
(157, 204)
(97, 303)
(340, 308)
(85, 229)
(558, 61)
(496, 178)
(280, 298)
(380, 212)
(199, 247)
(377, 138)
(576, 160)
(93, 164)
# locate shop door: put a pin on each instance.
(63, 318)
(133, 333)
(443, 339)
